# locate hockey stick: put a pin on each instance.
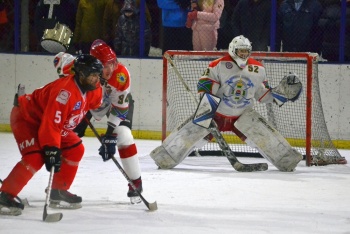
(151, 206)
(55, 217)
(24, 201)
(237, 165)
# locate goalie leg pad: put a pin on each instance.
(178, 145)
(268, 141)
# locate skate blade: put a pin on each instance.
(25, 202)
(11, 211)
(64, 205)
(135, 200)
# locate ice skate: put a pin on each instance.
(62, 199)
(134, 196)
(9, 206)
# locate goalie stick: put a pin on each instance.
(55, 217)
(237, 165)
(151, 206)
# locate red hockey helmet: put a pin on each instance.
(100, 50)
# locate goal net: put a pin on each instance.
(301, 122)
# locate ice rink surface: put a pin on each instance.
(201, 195)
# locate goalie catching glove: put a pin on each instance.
(289, 89)
(107, 149)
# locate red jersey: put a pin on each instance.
(58, 108)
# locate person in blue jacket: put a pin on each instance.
(175, 34)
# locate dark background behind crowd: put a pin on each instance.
(142, 28)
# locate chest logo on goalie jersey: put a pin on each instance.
(236, 92)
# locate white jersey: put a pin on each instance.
(115, 97)
(236, 87)
(100, 112)
(115, 91)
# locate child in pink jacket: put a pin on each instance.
(204, 19)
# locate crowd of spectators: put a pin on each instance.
(291, 25)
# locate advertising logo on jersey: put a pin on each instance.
(236, 94)
(63, 97)
(121, 78)
(77, 106)
(72, 121)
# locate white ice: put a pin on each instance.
(201, 195)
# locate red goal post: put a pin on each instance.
(301, 122)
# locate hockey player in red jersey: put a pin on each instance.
(42, 124)
(117, 105)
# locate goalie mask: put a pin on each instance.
(240, 49)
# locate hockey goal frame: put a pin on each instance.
(311, 60)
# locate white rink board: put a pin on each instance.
(36, 70)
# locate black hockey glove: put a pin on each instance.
(107, 149)
(52, 157)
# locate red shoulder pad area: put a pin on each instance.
(226, 58)
(252, 61)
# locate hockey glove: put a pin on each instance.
(52, 157)
(107, 149)
(289, 89)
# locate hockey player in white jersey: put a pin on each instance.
(117, 106)
(239, 81)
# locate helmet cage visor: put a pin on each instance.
(243, 52)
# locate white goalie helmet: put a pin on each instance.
(240, 43)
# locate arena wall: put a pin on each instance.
(36, 70)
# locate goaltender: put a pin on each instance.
(238, 80)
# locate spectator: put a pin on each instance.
(175, 34)
(111, 16)
(3, 13)
(63, 13)
(3, 24)
(88, 24)
(297, 26)
(251, 18)
(225, 32)
(127, 38)
(205, 23)
(330, 27)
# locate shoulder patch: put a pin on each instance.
(63, 96)
(121, 78)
